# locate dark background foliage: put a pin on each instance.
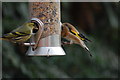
(98, 21)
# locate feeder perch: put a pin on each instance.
(47, 40)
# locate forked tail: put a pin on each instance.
(88, 51)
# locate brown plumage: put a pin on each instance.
(70, 33)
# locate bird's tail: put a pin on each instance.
(81, 36)
(85, 47)
(88, 40)
(88, 51)
(1, 38)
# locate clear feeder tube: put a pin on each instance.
(50, 40)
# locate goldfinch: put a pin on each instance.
(70, 33)
(21, 34)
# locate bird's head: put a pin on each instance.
(71, 28)
(31, 25)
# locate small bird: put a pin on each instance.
(21, 34)
(70, 33)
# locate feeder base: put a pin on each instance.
(46, 51)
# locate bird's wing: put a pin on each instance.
(84, 38)
(71, 27)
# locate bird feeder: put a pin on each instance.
(47, 39)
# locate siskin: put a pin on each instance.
(70, 33)
(21, 34)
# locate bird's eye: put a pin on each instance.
(33, 24)
(66, 24)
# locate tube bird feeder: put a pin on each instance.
(48, 36)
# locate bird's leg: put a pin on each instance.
(31, 43)
(71, 42)
(22, 44)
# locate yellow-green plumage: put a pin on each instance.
(19, 35)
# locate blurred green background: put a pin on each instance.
(98, 21)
